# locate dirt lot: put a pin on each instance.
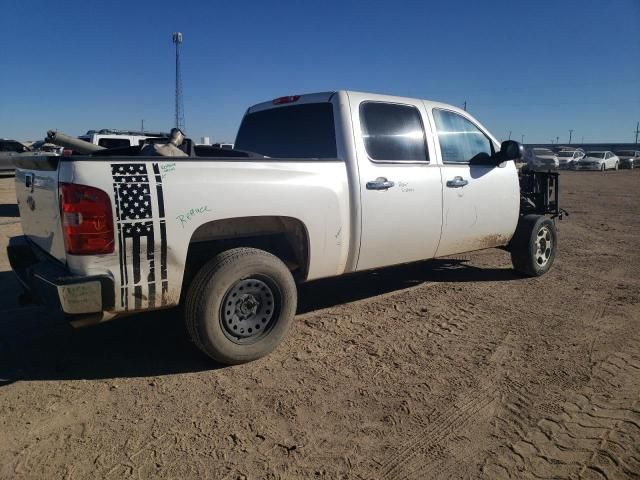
(454, 368)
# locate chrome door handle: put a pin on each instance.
(380, 183)
(457, 182)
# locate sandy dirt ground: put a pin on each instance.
(454, 368)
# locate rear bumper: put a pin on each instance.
(49, 282)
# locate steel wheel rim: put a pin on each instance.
(544, 246)
(250, 309)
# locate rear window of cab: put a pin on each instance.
(297, 131)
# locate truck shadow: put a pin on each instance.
(329, 292)
(36, 344)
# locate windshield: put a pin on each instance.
(297, 131)
(595, 154)
(542, 151)
(565, 154)
(626, 153)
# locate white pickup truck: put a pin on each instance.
(338, 182)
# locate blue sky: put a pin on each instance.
(537, 68)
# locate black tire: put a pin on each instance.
(603, 167)
(216, 306)
(527, 255)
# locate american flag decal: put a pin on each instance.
(140, 216)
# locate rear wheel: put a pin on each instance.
(616, 165)
(240, 305)
(533, 246)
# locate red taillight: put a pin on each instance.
(87, 221)
(289, 99)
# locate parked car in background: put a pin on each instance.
(604, 160)
(224, 146)
(109, 138)
(569, 158)
(43, 147)
(8, 149)
(546, 157)
(629, 158)
(560, 148)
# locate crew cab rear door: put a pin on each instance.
(400, 184)
(480, 201)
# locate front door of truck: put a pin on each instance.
(400, 184)
(480, 202)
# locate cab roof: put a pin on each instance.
(326, 97)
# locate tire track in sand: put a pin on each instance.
(596, 436)
(422, 456)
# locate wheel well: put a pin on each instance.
(285, 237)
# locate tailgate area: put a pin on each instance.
(50, 283)
(36, 184)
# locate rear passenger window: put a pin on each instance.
(460, 140)
(393, 132)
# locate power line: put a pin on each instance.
(552, 86)
(555, 104)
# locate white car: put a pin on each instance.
(8, 150)
(546, 158)
(570, 158)
(603, 160)
(108, 138)
(338, 182)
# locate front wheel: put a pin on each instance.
(240, 305)
(602, 168)
(533, 246)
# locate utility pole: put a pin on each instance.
(558, 140)
(570, 134)
(465, 106)
(522, 138)
(637, 131)
(509, 134)
(142, 125)
(179, 114)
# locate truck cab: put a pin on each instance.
(419, 187)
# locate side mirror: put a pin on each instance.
(509, 150)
